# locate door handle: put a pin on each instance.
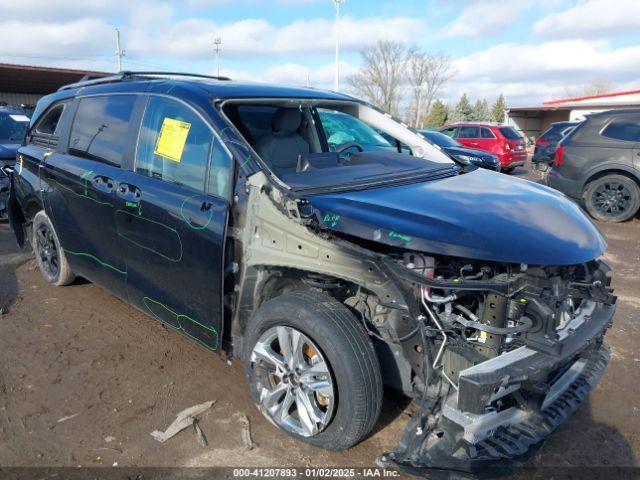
(129, 192)
(105, 184)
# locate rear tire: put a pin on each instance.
(612, 198)
(355, 395)
(50, 256)
(507, 170)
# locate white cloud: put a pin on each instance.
(591, 18)
(193, 37)
(486, 17)
(74, 38)
(529, 73)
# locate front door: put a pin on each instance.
(81, 181)
(171, 217)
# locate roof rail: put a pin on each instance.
(130, 75)
(175, 74)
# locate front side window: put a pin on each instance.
(623, 129)
(341, 129)
(468, 132)
(175, 145)
(13, 126)
(101, 128)
(448, 131)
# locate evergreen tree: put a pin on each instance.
(498, 109)
(463, 110)
(437, 116)
(481, 111)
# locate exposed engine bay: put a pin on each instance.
(496, 354)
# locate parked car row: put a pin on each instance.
(500, 140)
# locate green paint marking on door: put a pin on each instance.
(331, 219)
(95, 259)
(178, 316)
(82, 195)
(188, 222)
(144, 247)
(400, 236)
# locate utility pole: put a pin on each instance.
(419, 106)
(336, 82)
(119, 52)
(217, 42)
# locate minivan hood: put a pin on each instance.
(480, 215)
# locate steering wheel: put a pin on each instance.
(349, 145)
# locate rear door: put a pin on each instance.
(171, 217)
(81, 181)
(468, 135)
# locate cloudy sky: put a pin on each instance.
(529, 50)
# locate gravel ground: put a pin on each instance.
(85, 378)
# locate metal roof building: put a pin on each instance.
(532, 121)
(24, 84)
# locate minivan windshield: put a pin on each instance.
(13, 126)
(311, 144)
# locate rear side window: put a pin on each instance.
(486, 133)
(510, 133)
(45, 132)
(623, 129)
(49, 122)
(175, 145)
(448, 131)
(468, 132)
(101, 127)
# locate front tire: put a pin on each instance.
(312, 370)
(612, 198)
(50, 256)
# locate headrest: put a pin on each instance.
(286, 120)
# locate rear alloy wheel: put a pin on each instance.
(49, 255)
(613, 198)
(312, 370)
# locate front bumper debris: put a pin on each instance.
(493, 445)
(505, 407)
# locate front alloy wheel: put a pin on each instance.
(293, 380)
(312, 370)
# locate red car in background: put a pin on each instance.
(501, 140)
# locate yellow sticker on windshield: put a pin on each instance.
(172, 138)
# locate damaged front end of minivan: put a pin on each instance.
(483, 295)
(496, 352)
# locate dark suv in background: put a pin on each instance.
(546, 143)
(599, 163)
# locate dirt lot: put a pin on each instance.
(85, 378)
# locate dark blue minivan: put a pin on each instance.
(282, 226)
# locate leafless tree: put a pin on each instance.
(598, 86)
(381, 76)
(427, 73)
